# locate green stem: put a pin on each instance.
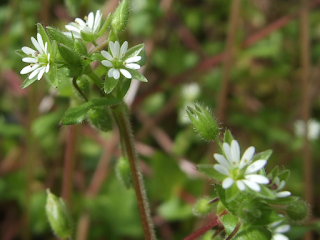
(94, 77)
(121, 116)
(74, 81)
(100, 47)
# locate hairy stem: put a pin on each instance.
(74, 82)
(121, 116)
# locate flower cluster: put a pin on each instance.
(39, 60)
(242, 171)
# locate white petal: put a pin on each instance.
(40, 41)
(221, 169)
(30, 60)
(115, 49)
(90, 20)
(106, 63)
(116, 74)
(48, 57)
(35, 72)
(107, 55)
(278, 236)
(29, 68)
(45, 47)
(221, 159)
(41, 73)
(255, 166)
(246, 157)
(257, 178)
(252, 185)
(47, 67)
(132, 66)
(110, 72)
(28, 50)
(235, 152)
(73, 29)
(282, 228)
(281, 185)
(36, 44)
(227, 183)
(97, 20)
(133, 59)
(227, 152)
(283, 194)
(125, 73)
(241, 185)
(124, 49)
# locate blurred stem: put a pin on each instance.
(305, 103)
(203, 229)
(95, 78)
(121, 116)
(68, 169)
(74, 82)
(100, 47)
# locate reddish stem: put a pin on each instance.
(203, 229)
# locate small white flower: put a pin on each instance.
(277, 228)
(277, 186)
(116, 60)
(39, 59)
(242, 171)
(313, 128)
(91, 25)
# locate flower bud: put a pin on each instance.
(58, 216)
(203, 122)
(120, 16)
(297, 211)
(72, 59)
(100, 118)
(123, 171)
(202, 207)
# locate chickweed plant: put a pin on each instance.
(249, 204)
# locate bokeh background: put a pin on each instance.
(254, 63)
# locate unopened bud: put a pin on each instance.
(202, 207)
(203, 122)
(297, 211)
(58, 216)
(120, 16)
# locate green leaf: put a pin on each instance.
(60, 37)
(253, 233)
(134, 51)
(284, 175)
(228, 137)
(208, 170)
(274, 172)
(229, 222)
(44, 35)
(122, 88)
(105, 101)
(100, 118)
(28, 82)
(105, 25)
(76, 115)
(137, 75)
(263, 155)
(52, 76)
(109, 84)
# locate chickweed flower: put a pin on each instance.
(242, 171)
(117, 62)
(39, 60)
(91, 25)
(277, 186)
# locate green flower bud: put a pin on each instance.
(72, 59)
(123, 171)
(297, 211)
(203, 122)
(120, 16)
(202, 207)
(60, 37)
(58, 216)
(100, 118)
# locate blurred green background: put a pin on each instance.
(262, 92)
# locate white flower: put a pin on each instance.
(277, 186)
(91, 25)
(313, 128)
(116, 60)
(242, 171)
(277, 229)
(39, 59)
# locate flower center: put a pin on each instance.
(42, 59)
(117, 63)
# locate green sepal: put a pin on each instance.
(262, 155)
(123, 172)
(120, 16)
(283, 201)
(100, 118)
(52, 75)
(60, 37)
(227, 138)
(80, 47)
(21, 53)
(87, 37)
(54, 51)
(109, 84)
(122, 87)
(284, 175)
(97, 57)
(113, 37)
(208, 170)
(134, 51)
(44, 35)
(58, 216)
(264, 193)
(137, 75)
(105, 25)
(273, 173)
(232, 192)
(222, 195)
(28, 82)
(73, 60)
(78, 114)
(143, 59)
